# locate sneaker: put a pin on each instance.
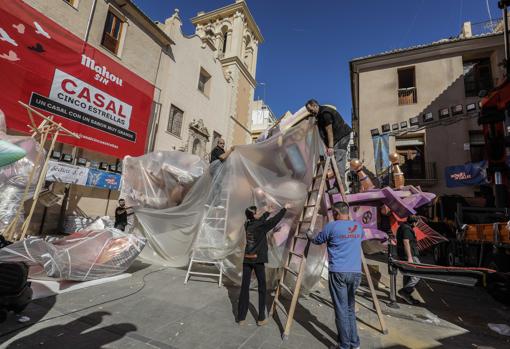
(414, 300)
(241, 322)
(408, 298)
(263, 322)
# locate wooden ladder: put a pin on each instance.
(320, 183)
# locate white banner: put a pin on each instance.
(72, 92)
(65, 173)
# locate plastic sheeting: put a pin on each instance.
(211, 215)
(81, 256)
(161, 179)
(77, 223)
(14, 175)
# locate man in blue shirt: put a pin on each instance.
(343, 238)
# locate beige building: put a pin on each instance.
(233, 33)
(208, 83)
(426, 99)
(195, 95)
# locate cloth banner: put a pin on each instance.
(90, 177)
(65, 173)
(466, 175)
(381, 153)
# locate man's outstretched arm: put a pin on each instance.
(320, 239)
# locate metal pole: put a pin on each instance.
(89, 22)
(392, 271)
(65, 200)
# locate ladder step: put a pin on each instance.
(291, 271)
(300, 237)
(308, 206)
(286, 288)
(296, 254)
(206, 274)
(305, 221)
(281, 306)
(204, 262)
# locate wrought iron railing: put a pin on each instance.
(407, 96)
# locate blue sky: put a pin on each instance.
(308, 44)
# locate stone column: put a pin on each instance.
(237, 34)
(255, 46)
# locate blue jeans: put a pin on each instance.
(342, 287)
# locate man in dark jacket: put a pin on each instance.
(219, 153)
(121, 215)
(257, 225)
(333, 130)
(407, 250)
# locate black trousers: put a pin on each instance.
(244, 296)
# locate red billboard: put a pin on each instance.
(46, 66)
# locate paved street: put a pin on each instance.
(154, 309)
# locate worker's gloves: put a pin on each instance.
(309, 234)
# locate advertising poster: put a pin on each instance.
(102, 179)
(466, 175)
(49, 68)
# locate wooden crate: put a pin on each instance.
(485, 233)
(504, 233)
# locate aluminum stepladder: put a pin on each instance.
(215, 220)
(314, 201)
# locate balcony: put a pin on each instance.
(424, 174)
(407, 96)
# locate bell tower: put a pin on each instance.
(233, 34)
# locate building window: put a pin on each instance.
(411, 152)
(476, 146)
(406, 86)
(175, 121)
(112, 32)
(197, 148)
(477, 77)
(225, 38)
(204, 82)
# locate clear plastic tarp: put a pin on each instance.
(18, 155)
(206, 216)
(210, 218)
(160, 179)
(82, 256)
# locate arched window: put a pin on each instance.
(247, 52)
(197, 147)
(225, 38)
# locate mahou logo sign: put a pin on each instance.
(44, 65)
